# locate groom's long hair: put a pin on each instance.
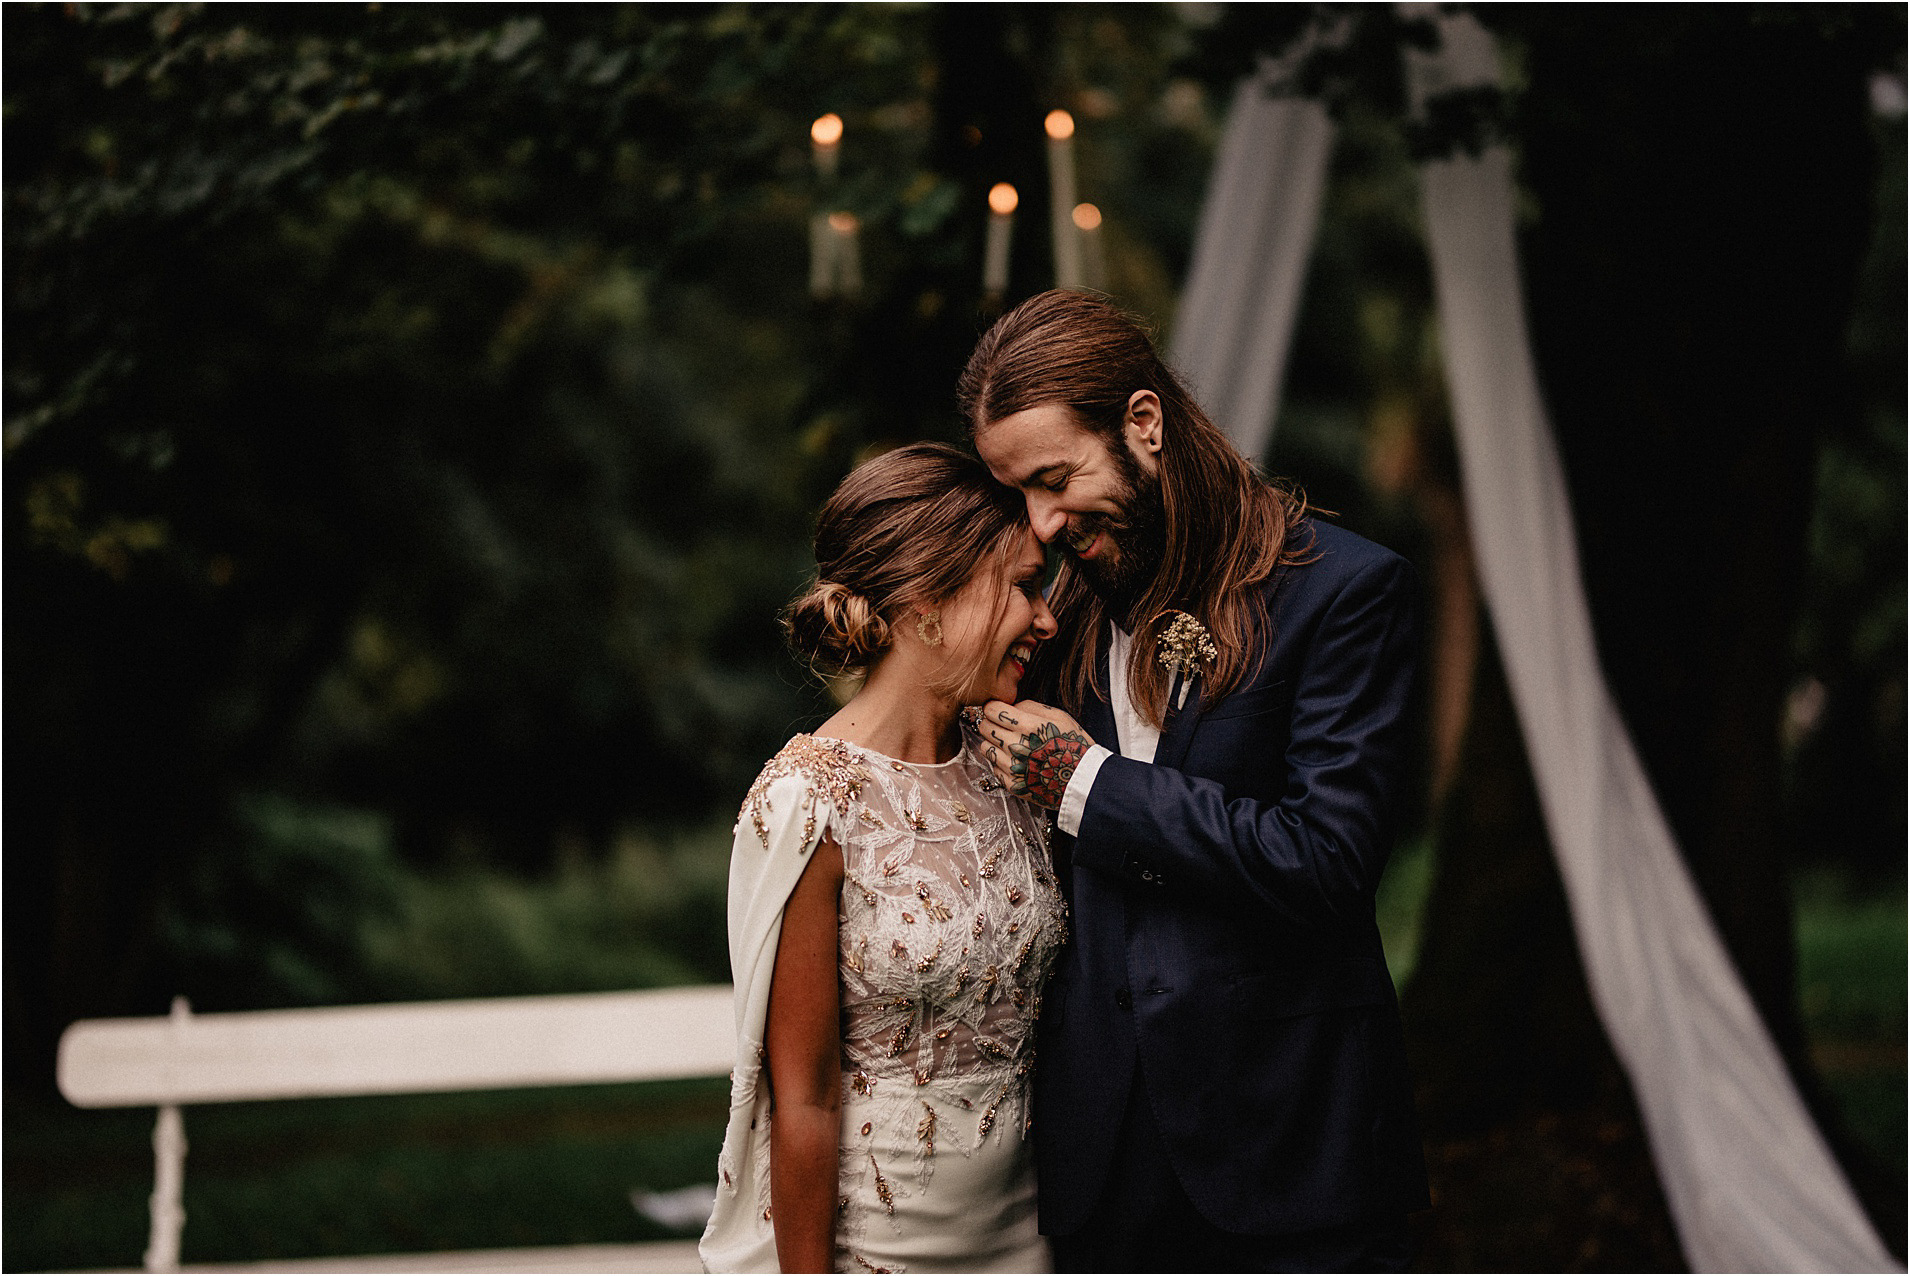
(1227, 528)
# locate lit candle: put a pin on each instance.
(1094, 263)
(825, 137)
(1067, 245)
(848, 253)
(1002, 200)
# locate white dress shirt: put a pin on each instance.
(1136, 736)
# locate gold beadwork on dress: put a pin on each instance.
(936, 910)
(988, 1117)
(1014, 895)
(976, 929)
(925, 1129)
(1021, 958)
(989, 978)
(835, 772)
(959, 811)
(882, 1189)
(921, 967)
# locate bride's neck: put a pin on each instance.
(897, 715)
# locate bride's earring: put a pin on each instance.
(928, 627)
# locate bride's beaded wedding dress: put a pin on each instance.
(949, 920)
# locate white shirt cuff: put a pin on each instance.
(1074, 799)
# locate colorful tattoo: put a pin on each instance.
(1045, 759)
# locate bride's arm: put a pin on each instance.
(803, 1050)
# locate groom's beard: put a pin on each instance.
(1138, 536)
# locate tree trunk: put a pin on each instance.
(1702, 182)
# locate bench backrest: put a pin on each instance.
(406, 1048)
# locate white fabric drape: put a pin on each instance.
(1237, 310)
(1751, 1184)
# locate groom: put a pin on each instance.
(1222, 1082)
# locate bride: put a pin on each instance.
(892, 913)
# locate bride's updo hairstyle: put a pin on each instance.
(902, 532)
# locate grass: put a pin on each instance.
(310, 1178)
(1852, 989)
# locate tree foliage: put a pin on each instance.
(398, 414)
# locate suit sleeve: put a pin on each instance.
(1314, 856)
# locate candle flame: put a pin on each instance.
(1059, 124)
(1087, 216)
(842, 223)
(1002, 198)
(827, 130)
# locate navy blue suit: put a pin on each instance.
(1224, 943)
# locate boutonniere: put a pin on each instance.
(1187, 649)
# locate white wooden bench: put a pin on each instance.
(408, 1048)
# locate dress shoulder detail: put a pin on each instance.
(835, 772)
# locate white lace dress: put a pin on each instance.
(949, 921)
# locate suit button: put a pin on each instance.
(1122, 1000)
(1147, 875)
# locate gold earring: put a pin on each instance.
(928, 627)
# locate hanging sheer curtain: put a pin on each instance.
(1751, 1184)
(1237, 311)
(1750, 1181)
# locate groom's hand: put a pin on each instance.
(1033, 748)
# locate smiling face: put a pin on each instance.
(1100, 504)
(994, 639)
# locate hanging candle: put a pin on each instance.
(822, 257)
(825, 140)
(1002, 200)
(1094, 264)
(844, 228)
(1067, 244)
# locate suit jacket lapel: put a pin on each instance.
(1178, 730)
(1097, 715)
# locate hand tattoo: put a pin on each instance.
(1045, 760)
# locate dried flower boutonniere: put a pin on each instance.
(1187, 650)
